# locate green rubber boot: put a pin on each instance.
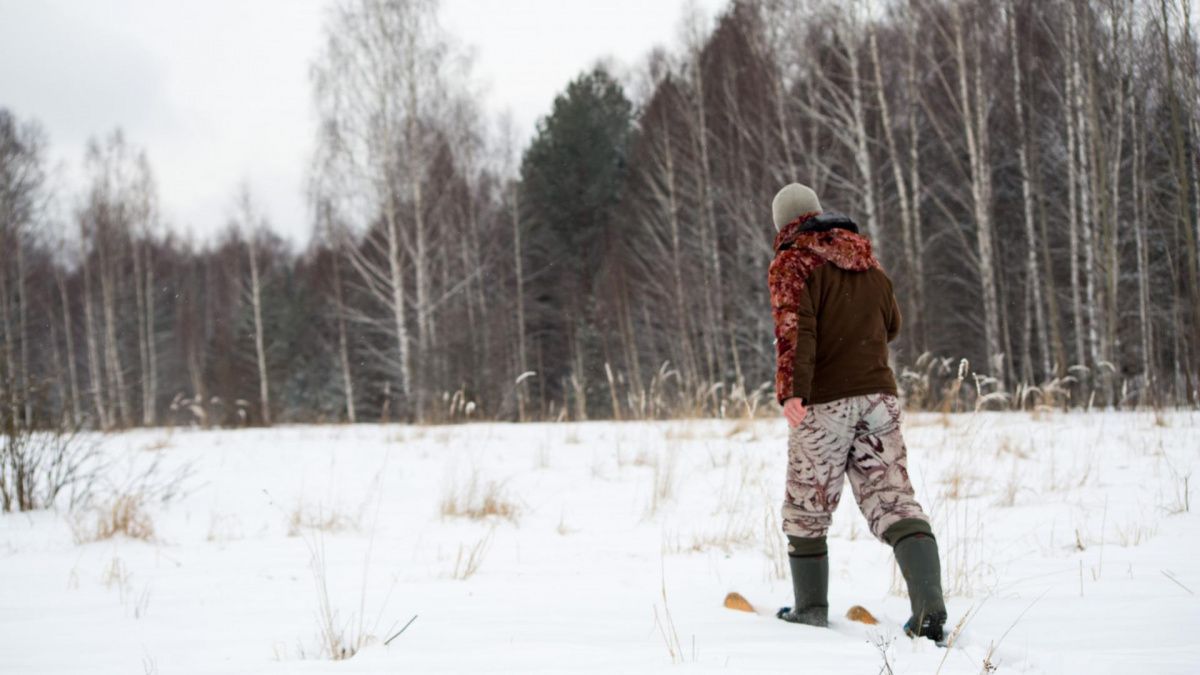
(917, 556)
(810, 583)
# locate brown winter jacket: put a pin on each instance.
(834, 309)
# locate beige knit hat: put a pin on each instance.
(792, 202)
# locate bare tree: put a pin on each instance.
(378, 85)
(1033, 280)
(22, 195)
(252, 224)
(974, 102)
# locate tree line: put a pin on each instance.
(1026, 170)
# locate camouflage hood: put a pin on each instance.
(829, 237)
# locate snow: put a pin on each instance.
(1063, 536)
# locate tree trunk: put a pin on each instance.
(151, 337)
(1137, 186)
(93, 347)
(397, 295)
(339, 306)
(976, 128)
(115, 371)
(9, 380)
(1183, 220)
(687, 358)
(710, 240)
(917, 258)
(519, 275)
(23, 330)
(1111, 213)
(1073, 202)
(420, 256)
(139, 295)
(69, 333)
(862, 148)
(906, 227)
(260, 351)
(1031, 262)
(1087, 207)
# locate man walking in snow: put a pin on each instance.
(835, 314)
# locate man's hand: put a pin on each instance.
(794, 411)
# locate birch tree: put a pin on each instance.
(251, 225)
(376, 84)
(1033, 279)
(975, 104)
(22, 178)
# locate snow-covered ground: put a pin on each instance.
(1065, 542)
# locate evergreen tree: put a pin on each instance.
(571, 179)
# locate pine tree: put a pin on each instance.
(571, 178)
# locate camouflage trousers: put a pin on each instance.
(857, 437)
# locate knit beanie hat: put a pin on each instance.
(792, 202)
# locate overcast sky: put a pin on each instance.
(217, 91)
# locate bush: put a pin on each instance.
(37, 466)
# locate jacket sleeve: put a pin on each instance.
(795, 327)
(893, 323)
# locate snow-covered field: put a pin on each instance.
(1066, 542)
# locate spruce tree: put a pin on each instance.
(571, 181)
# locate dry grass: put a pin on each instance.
(680, 432)
(644, 458)
(720, 460)
(563, 529)
(158, 445)
(774, 548)
(116, 575)
(478, 501)
(1008, 492)
(959, 484)
(1006, 446)
(1135, 532)
(141, 603)
(338, 640)
(662, 489)
(122, 508)
(124, 514)
(470, 558)
(745, 427)
(305, 517)
(734, 533)
(666, 627)
(1074, 477)
(919, 420)
(962, 537)
(1181, 490)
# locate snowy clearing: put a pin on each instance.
(1069, 539)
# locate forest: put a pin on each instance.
(1028, 172)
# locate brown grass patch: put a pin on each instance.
(304, 517)
(124, 515)
(478, 502)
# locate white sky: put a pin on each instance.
(217, 91)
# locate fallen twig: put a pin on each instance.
(398, 633)
(1170, 576)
